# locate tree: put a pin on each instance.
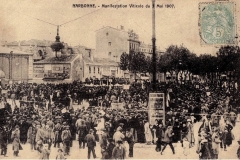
(229, 61)
(137, 62)
(179, 59)
(124, 61)
(164, 64)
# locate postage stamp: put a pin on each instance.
(217, 24)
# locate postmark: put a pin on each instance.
(217, 24)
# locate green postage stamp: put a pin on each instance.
(217, 23)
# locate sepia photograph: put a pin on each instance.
(119, 79)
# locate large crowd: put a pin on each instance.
(46, 117)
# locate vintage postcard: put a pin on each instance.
(119, 79)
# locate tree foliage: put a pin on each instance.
(180, 60)
(124, 61)
(57, 46)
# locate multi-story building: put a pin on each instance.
(147, 50)
(112, 42)
(40, 48)
(95, 67)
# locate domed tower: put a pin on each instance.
(57, 46)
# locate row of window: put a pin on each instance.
(94, 70)
(146, 50)
(134, 46)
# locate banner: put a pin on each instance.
(126, 86)
(117, 106)
(57, 68)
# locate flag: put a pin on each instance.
(167, 99)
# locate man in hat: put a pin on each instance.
(66, 139)
(167, 139)
(103, 143)
(82, 132)
(119, 151)
(132, 124)
(31, 135)
(118, 136)
(203, 148)
(49, 134)
(23, 130)
(16, 140)
(91, 143)
(57, 132)
(3, 140)
(43, 136)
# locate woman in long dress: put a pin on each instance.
(190, 133)
(147, 132)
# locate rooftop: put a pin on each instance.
(62, 59)
(14, 51)
(31, 42)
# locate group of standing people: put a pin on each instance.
(39, 120)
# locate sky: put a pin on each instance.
(34, 19)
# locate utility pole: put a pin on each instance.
(153, 47)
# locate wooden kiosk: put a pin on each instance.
(156, 107)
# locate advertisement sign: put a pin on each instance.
(156, 107)
(57, 68)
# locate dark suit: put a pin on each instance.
(91, 143)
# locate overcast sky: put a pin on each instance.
(18, 21)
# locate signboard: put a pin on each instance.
(117, 106)
(57, 68)
(156, 107)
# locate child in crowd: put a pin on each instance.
(60, 155)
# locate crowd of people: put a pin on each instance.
(46, 117)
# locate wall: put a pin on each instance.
(117, 38)
(77, 70)
(20, 67)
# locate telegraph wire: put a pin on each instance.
(85, 15)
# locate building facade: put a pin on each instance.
(112, 42)
(64, 69)
(16, 65)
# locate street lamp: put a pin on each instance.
(153, 46)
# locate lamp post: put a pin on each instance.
(153, 47)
